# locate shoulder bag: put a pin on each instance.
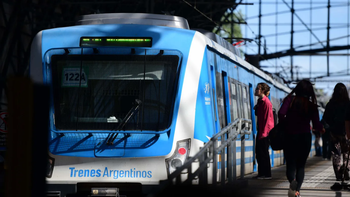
(277, 134)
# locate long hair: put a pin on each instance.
(305, 98)
(264, 88)
(340, 93)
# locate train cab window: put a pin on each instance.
(100, 92)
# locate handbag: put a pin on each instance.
(277, 136)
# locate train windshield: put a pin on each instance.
(114, 92)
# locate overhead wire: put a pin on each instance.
(266, 49)
(343, 25)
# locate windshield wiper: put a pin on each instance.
(111, 137)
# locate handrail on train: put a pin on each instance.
(225, 150)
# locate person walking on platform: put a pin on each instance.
(264, 113)
(301, 105)
(334, 123)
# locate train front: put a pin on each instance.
(115, 91)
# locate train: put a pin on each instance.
(133, 95)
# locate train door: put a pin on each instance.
(222, 98)
(214, 99)
(252, 115)
(245, 108)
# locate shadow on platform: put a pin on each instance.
(319, 177)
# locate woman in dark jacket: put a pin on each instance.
(334, 122)
(301, 105)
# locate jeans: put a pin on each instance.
(296, 152)
(263, 157)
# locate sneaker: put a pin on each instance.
(264, 177)
(292, 189)
(291, 193)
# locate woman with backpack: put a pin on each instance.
(334, 122)
(301, 105)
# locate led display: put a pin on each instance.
(115, 41)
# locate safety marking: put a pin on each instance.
(318, 179)
(324, 179)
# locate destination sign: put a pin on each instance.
(115, 41)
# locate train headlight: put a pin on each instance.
(180, 155)
(175, 163)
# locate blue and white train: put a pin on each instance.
(133, 95)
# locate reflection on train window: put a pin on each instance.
(240, 101)
(246, 116)
(234, 106)
(246, 103)
(233, 89)
(235, 113)
(244, 93)
(98, 92)
(220, 99)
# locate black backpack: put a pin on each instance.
(337, 125)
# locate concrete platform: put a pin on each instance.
(319, 177)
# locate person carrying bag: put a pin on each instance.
(301, 105)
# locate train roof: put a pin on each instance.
(213, 40)
(221, 41)
(221, 49)
(134, 18)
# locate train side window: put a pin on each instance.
(233, 107)
(240, 102)
(233, 89)
(244, 93)
(220, 100)
(246, 102)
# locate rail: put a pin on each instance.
(222, 148)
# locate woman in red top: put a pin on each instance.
(301, 108)
(263, 111)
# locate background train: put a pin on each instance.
(133, 95)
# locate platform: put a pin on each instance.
(319, 177)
